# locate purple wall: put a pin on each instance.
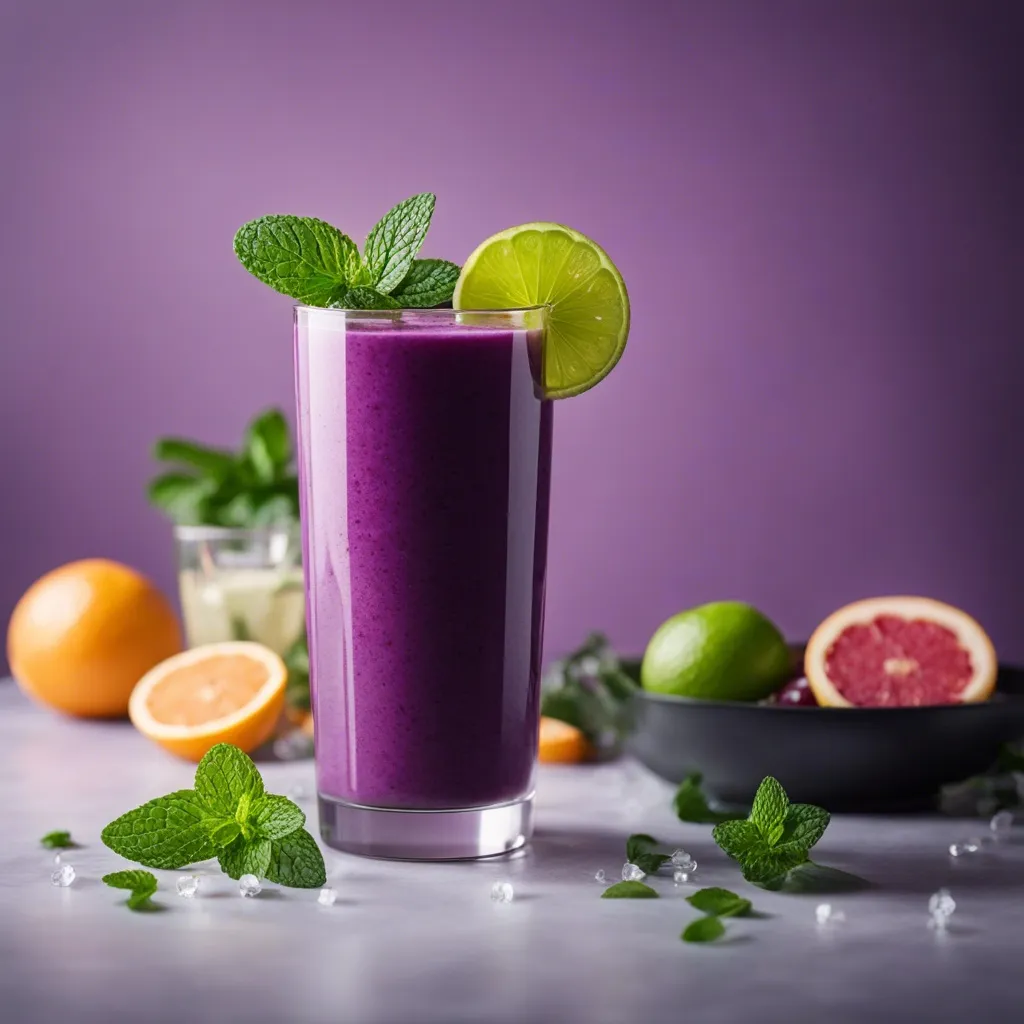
(816, 206)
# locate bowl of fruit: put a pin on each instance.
(891, 699)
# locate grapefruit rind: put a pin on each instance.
(968, 631)
(561, 743)
(247, 728)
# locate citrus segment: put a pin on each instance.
(900, 652)
(545, 264)
(218, 693)
(561, 743)
(83, 635)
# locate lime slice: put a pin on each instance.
(545, 264)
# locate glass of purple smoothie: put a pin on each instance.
(424, 460)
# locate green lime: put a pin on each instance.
(544, 264)
(721, 651)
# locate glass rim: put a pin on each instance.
(299, 306)
(201, 532)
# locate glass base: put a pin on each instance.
(426, 835)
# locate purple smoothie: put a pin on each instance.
(425, 460)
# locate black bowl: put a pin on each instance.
(866, 759)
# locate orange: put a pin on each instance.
(217, 693)
(561, 742)
(900, 652)
(83, 635)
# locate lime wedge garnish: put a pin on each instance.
(545, 264)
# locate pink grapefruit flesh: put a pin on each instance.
(899, 652)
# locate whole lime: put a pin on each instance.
(726, 650)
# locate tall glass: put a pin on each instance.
(424, 462)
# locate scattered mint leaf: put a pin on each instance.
(428, 283)
(224, 776)
(296, 860)
(640, 850)
(169, 832)
(691, 804)
(302, 257)
(629, 891)
(396, 238)
(809, 877)
(59, 840)
(769, 810)
(704, 929)
(245, 857)
(719, 902)
(366, 297)
(275, 817)
(140, 884)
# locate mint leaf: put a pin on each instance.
(275, 817)
(268, 445)
(184, 498)
(141, 885)
(428, 283)
(58, 841)
(704, 929)
(245, 857)
(629, 891)
(719, 902)
(640, 851)
(395, 240)
(691, 804)
(169, 832)
(296, 860)
(767, 867)
(225, 833)
(738, 839)
(365, 298)
(769, 810)
(224, 776)
(302, 257)
(805, 825)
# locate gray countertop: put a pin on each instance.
(423, 942)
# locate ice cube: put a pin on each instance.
(327, 897)
(825, 914)
(63, 876)
(965, 849)
(1001, 825)
(941, 904)
(633, 872)
(599, 877)
(501, 892)
(249, 885)
(187, 886)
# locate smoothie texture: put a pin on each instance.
(425, 456)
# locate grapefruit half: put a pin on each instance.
(900, 652)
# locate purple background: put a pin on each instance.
(816, 207)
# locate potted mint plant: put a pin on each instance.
(236, 516)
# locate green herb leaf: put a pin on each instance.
(245, 857)
(769, 810)
(302, 257)
(366, 297)
(395, 240)
(805, 825)
(704, 929)
(212, 462)
(169, 832)
(58, 841)
(767, 867)
(738, 838)
(629, 891)
(224, 776)
(268, 445)
(184, 498)
(296, 860)
(640, 850)
(719, 902)
(428, 283)
(691, 804)
(224, 834)
(141, 884)
(275, 817)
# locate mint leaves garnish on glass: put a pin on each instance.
(318, 265)
(256, 486)
(629, 891)
(775, 838)
(228, 815)
(140, 884)
(589, 689)
(59, 840)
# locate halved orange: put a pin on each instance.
(900, 652)
(561, 743)
(216, 693)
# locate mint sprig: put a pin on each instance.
(318, 265)
(775, 838)
(140, 884)
(228, 816)
(58, 840)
